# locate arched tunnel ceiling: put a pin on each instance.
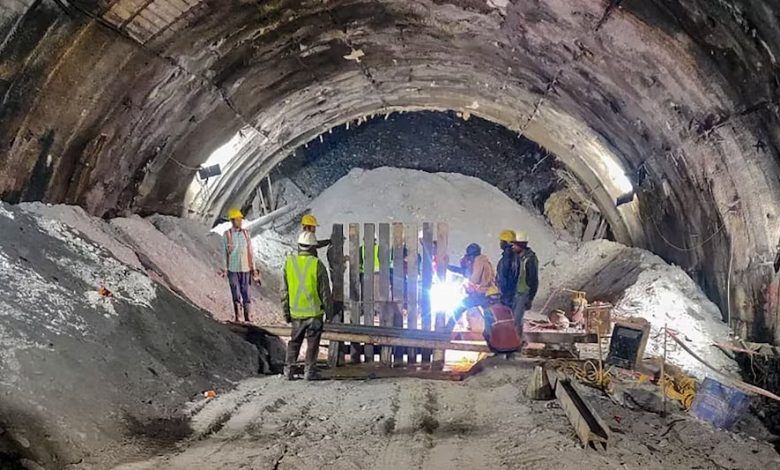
(106, 103)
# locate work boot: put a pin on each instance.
(247, 312)
(237, 312)
(287, 373)
(312, 373)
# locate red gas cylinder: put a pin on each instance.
(502, 336)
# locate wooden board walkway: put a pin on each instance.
(377, 335)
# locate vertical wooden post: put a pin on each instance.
(383, 289)
(442, 239)
(368, 285)
(427, 278)
(399, 277)
(410, 294)
(354, 286)
(336, 261)
(663, 376)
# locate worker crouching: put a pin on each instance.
(481, 285)
(306, 302)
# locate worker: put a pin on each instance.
(480, 285)
(239, 264)
(376, 257)
(506, 269)
(306, 302)
(527, 280)
(309, 224)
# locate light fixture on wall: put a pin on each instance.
(206, 172)
(624, 199)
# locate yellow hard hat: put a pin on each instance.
(507, 236)
(309, 220)
(521, 237)
(234, 213)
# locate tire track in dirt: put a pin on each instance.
(402, 449)
(459, 440)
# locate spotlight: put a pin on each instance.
(624, 199)
(209, 171)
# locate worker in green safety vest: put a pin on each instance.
(306, 302)
(376, 257)
(527, 275)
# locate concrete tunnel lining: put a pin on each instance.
(662, 85)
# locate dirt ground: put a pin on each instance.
(483, 422)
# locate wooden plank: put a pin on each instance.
(383, 289)
(368, 285)
(427, 278)
(442, 249)
(594, 220)
(335, 257)
(370, 372)
(410, 294)
(544, 337)
(354, 284)
(442, 239)
(374, 339)
(398, 286)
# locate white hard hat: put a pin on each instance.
(307, 239)
(521, 237)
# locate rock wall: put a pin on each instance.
(681, 95)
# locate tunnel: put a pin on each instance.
(662, 115)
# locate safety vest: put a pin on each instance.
(376, 258)
(522, 278)
(301, 274)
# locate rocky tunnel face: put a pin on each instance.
(114, 104)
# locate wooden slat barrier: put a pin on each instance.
(368, 286)
(399, 278)
(383, 289)
(427, 278)
(442, 240)
(336, 262)
(354, 285)
(412, 311)
(381, 295)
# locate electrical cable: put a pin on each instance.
(693, 248)
(186, 167)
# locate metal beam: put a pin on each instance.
(587, 424)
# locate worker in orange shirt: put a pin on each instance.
(481, 284)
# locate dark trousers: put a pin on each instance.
(471, 301)
(311, 329)
(239, 287)
(518, 312)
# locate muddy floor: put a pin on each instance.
(483, 422)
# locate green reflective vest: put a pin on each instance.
(522, 278)
(363, 256)
(301, 274)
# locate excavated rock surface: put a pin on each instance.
(89, 378)
(681, 94)
(432, 142)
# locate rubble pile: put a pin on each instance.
(97, 358)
